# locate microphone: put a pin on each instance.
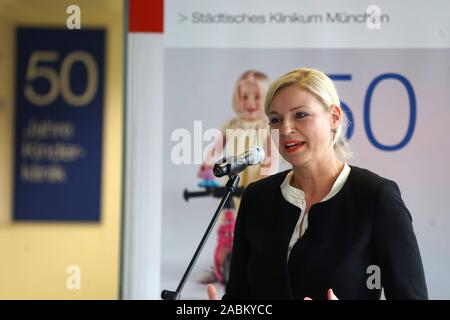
(233, 165)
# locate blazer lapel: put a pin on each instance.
(283, 217)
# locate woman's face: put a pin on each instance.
(304, 126)
(250, 103)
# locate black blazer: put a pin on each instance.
(365, 224)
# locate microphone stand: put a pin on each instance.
(231, 186)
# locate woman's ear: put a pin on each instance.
(336, 116)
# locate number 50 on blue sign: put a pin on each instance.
(59, 124)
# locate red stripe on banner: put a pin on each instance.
(145, 15)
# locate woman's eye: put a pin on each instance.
(300, 115)
(274, 121)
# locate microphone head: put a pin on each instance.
(256, 155)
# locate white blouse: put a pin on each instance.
(297, 198)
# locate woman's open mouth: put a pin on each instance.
(292, 146)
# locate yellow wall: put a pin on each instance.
(34, 256)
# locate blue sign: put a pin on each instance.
(59, 124)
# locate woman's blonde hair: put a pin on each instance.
(253, 76)
(320, 85)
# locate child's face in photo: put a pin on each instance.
(250, 104)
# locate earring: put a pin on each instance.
(334, 133)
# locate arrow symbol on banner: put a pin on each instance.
(182, 17)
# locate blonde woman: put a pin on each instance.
(314, 232)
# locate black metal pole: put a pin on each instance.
(231, 185)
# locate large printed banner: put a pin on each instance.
(392, 75)
(59, 124)
(390, 62)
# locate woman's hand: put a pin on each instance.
(212, 292)
(330, 295)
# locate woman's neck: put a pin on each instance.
(317, 179)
